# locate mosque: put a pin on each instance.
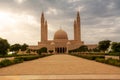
(60, 42)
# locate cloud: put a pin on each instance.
(19, 1)
(100, 19)
(51, 11)
(71, 1)
(18, 28)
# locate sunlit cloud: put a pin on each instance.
(51, 11)
(19, 1)
(17, 25)
(20, 19)
(7, 19)
(12, 19)
(70, 1)
(79, 8)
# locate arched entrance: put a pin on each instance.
(60, 50)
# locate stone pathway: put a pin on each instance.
(60, 65)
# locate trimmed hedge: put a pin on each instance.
(110, 61)
(114, 54)
(16, 55)
(16, 60)
(24, 58)
(100, 58)
(20, 59)
(5, 62)
(90, 57)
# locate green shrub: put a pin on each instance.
(113, 62)
(17, 60)
(95, 57)
(114, 54)
(110, 61)
(5, 62)
(15, 55)
(27, 58)
(100, 60)
(90, 57)
(20, 59)
(30, 58)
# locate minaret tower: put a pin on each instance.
(46, 31)
(43, 28)
(77, 31)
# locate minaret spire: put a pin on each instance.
(78, 19)
(78, 14)
(43, 28)
(42, 18)
(77, 32)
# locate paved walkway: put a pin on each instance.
(60, 64)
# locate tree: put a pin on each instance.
(4, 45)
(42, 50)
(15, 47)
(115, 47)
(83, 48)
(104, 45)
(24, 47)
(96, 50)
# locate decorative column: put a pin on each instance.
(68, 45)
(53, 47)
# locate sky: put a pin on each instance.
(20, 19)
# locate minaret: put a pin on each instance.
(75, 29)
(78, 27)
(43, 28)
(77, 32)
(46, 31)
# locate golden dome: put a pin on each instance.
(60, 34)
